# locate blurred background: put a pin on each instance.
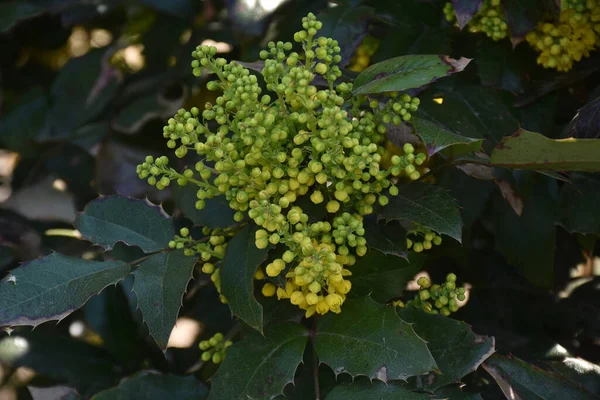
(85, 89)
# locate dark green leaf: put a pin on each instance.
(531, 150)
(21, 125)
(454, 392)
(12, 12)
(241, 260)
(436, 136)
(499, 65)
(523, 15)
(36, 291)
(465, 10)
(579, 204)
(457, 352)
(111, 219)
(370, 339)
(528, 241)
(259, 367)
(586, 123)
(133, 117)
(77, 101)
(384, 277)
(406, 72)
(178, 8)
(216, 213)
(152, 386)
(62, 358)
(160, 283)
(377, 390)
(521, 380)
(388, 238)
(427, 205)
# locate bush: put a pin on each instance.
(342, 194)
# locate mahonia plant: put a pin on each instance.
(215, 348)
(436, 299)
(362, 56)
(489, 19)
(264, 151)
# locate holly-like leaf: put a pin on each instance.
(427, 205)
(153, 386)
(241, 260)
(388, 238)
(12, 12)
(383, 276)
(531, 150)
(361, 390)
(579, 204)
(465, 10)
(457, 352)
(216, 213)
(52, 287)
(259, 367)
(370, 339)
(436, 136)
(111, 219)
(523, 15)
(159, 285)
(521, 380)
(406, 72)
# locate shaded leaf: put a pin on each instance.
(135, 114)
(531, 150)
(259, 367)
(521, 380)
(12, 12)
(52, 287)
(384, 277)
(388, 238)
(425, 204)
(370, 339)
(178, 8)
(436, 136)
(477, 171)
(153, 386)
(406, 72)
(159, 285)
(510, 195)
(586, 123)
(21, 125)
(216, 213)
(523, 15)
(579, 204)
(111, 219)
(499, 65)
(454, 392)
(241, 260)
(457, 352)
(465, 10)
(578, 370)
(361, 390)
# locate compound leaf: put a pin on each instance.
(52, 287)
(259, 367)
(241, 260)
(111, 219)
(159, 286)
(427, 205)
(370, 339)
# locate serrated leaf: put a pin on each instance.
(216, 213)
(457, 352)
(153, 386)
(384, 277)
(241, 260)
(111, 219)
(159, 285)
(465, 10)
(436, 136)
(12, 12)
(520, 380)
(370, 339)
(531, 150)
(388, 238)
(259, 367)
(377, 390)
(52, 287)
(406, 72)
(579, 204)
(427, 205)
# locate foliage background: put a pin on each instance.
(86, 88)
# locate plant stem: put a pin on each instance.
(315, 360)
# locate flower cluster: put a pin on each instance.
(437, 299)
(215, 348)
(489, 19)
(264, 152)
(362, 57)
(569, 39)
(427, 238)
